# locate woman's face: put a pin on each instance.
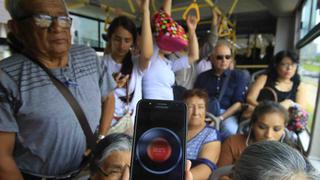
(113, 166)
(121, 42)
(269, 126)
(196, 111)
(286, 68)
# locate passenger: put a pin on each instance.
(187, 77)
(234, 94)
(159, 79)
(39, 133)
(113, 156)
(122, 34)
(283, 78)
(268, 122)
(273, 160)
(203, 141)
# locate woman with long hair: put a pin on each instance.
(125, 67)
(268, 123)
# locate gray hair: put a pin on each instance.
(17, 11)
(115, 143)
(269, 160)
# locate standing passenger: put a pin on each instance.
(40, 134)
(122, 35)
(159, 79)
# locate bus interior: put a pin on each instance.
(257, 29)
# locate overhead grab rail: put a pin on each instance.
(193, 6)
(226, 27)
(131, 5)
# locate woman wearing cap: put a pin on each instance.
(124, 66)
(159, 79)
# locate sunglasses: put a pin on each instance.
(221, 57)
(45, 21)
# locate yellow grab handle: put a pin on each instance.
(224, 29)
(194, 6)
(107, 21)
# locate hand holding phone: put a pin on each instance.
(159, 140)
(120, 79)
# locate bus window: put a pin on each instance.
(309, 47)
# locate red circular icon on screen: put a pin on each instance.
(159, 150)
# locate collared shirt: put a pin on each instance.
(49, 138)
(235, 90)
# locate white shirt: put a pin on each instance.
(159, 78)
(135, 85)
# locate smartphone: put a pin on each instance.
(159, 140)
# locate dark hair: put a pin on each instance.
(272, 69)
(196, 92)
(266, 107)
(128, 24)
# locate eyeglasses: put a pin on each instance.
(283, 65)
(221, 57)
(45, 21)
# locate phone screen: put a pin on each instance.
(159, 140)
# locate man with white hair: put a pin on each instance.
(39, 133)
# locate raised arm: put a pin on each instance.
(167, 6)
(213, 37)
(8, 167)
(193, 51)
(255, 89)
(146, 36)
(211, 152)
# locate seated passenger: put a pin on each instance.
(268, 122)
(273, 160)
(203, 141)
(282, 76)
(234, 94)
(113, 156)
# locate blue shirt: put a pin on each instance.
(206, 135)
(235, 90)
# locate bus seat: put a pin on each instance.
(257, 73)
(212, 120)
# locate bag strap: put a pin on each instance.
(90, 138)
(274, 94)
(224, 86)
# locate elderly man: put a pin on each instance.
(39, 133)
(234, 94)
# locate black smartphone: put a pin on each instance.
(159, 140)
